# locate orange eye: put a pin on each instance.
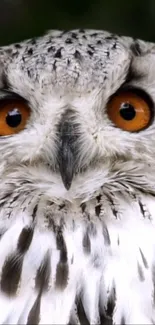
(13, 116)
(130, 111)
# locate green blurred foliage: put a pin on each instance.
(22, 19)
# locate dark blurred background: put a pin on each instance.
(20, 19)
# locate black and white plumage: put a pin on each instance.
(77, 193)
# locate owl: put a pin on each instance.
(77, 180)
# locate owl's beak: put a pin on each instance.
(66, 155)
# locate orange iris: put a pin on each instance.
(129, 111)
(13, 116)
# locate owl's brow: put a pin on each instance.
(132, 75)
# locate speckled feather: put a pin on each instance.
(84, 255)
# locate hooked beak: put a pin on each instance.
(67, 152)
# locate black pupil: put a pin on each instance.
(13, 118)
(127, 111)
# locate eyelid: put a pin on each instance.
(10, 95)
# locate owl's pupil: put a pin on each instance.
(127, 111)
(13, 118)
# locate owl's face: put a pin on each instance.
(86, 101)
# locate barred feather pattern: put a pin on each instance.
(77, 263)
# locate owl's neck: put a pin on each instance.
(99, 193)
(106, 178)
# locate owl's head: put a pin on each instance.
(77, 107)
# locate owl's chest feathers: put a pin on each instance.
(51, 249)
(119, 220)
